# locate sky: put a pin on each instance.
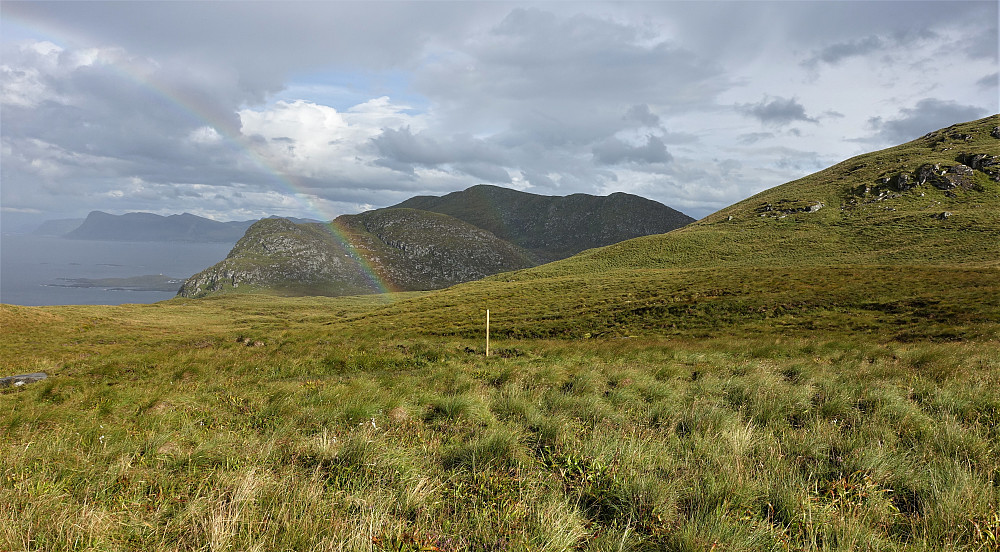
(236, 110)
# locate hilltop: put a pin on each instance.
(428, 242)
(554, 227)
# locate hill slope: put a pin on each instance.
(396, 249)
(935, 200)
(554, 227)
(429, 242)
(903, 241)
(58, 227)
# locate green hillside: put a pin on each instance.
(935, 200)
(874, 258)
(427, 243)
(554, 227)
(394, 249)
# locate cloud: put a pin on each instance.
(174, 107)
(927, 115)
(754, 137)
(835, 53)
(777, 111)
(614, 151)
(642, 115)
(557, 80)
(989, 81)
(401, 145)
(983, 44)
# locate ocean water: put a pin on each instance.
(34, 269)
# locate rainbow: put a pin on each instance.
(233, 137)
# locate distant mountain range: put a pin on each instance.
(147, 227)
(428, 242)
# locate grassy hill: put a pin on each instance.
(873, 257)
(829, 380)
(398, 249)
(428, 242)
(855, 212)
(554, 227)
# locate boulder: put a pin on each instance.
(22, 379)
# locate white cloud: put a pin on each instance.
(205, 135)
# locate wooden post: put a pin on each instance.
(487, 332)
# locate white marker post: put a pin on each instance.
(487, 332)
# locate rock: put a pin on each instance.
(22, 379)
(927, 173)
(995, 132)
(979, 161)
(904, 182)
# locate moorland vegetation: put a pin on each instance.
(815, 368)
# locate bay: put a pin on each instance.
(42, 270)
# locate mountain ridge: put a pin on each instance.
(408, 249)
(144, 226)
(554, 227)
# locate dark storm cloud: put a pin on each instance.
(777, 111)
(927, 115)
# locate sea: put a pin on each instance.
(36, 270)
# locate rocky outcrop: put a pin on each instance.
(783, 208)
(940, 176)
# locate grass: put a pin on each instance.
(269, 423)
(814, 384)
